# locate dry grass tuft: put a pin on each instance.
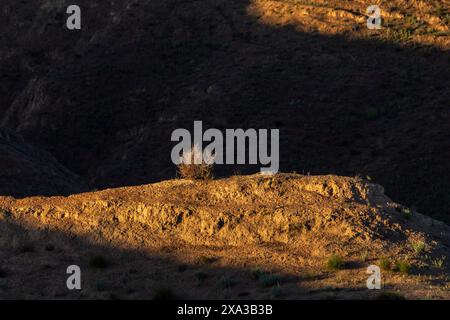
(195, 166)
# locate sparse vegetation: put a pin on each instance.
(419, 247)
(195, 171)
(385, 264)
(335, 262)
(439, 263)
(407, 213)
(364, 256)
(194, 166)
(403, 267)
(233, 65)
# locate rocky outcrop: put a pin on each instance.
(177, 233)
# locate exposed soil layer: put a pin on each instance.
(204, 239)
(347, 100)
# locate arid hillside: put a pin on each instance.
(254, 237)
(350, 101)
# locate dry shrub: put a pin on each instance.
(195, 171)
(188, 169)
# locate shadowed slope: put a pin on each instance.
(25, 170)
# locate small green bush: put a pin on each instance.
(364, 256)
(407, 213)
(335, 262)
(403, 267)
(385, 264)
(439, 263)
(419, 247)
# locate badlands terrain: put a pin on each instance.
(104, 100)
(253, 237)
(93, 109)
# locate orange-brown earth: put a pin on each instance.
(347, 100)
(246, 236)
(97, 107)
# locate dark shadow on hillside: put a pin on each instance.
(34, 263)
(28, 171)
(114, 93)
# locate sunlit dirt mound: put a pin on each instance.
(288, 222)
(420, 21)
(313, 213)
(105, 99)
